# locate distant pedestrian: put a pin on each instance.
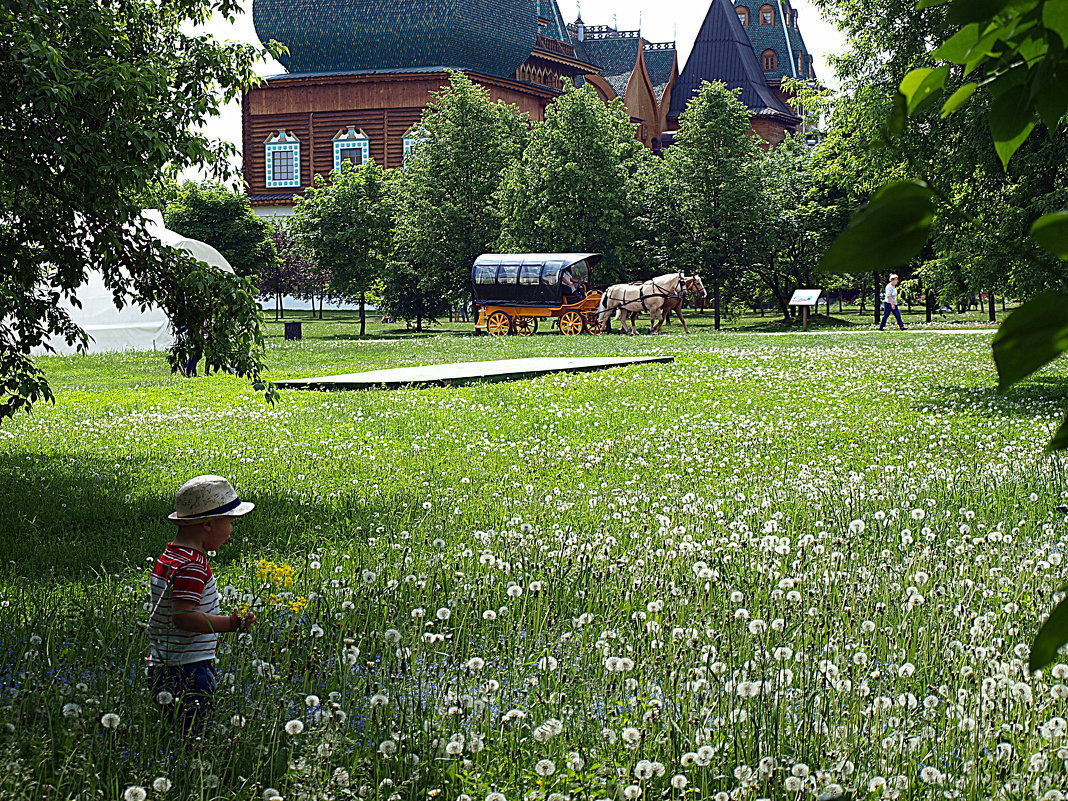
(184, 625)
(890, 303)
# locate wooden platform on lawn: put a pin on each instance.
(462, 372)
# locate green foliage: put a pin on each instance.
(225, 220)
(98, 102)
(801, 215)
(1050, 638)
(1051, 232)
(1018, 51)
(574, 188)
(887, 233)
(346, 225)
(447, 215)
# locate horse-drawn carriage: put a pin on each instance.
(515, 290)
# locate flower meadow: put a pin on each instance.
(781, 567)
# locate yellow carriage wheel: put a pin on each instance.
(498, 324)
(526, 326)
(571, 323)
(594, 324)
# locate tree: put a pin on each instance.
(346, 225)
(447, 215)
(225, 220)
(291, 274)
(710, 192)
(801, 219)
(98, 101)
(413, 295)
(573, 189)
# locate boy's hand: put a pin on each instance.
(243, 623)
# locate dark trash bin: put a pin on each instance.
(293, 330)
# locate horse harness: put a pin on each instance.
(680, 292)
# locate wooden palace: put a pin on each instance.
(360, 72)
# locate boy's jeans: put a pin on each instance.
(887, 309)
(192, 686)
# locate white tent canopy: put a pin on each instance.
(129, 328)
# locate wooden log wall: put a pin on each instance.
(385, 107)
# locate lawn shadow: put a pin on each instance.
(1022, 400)
(72, 519)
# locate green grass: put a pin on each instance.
(779, 566)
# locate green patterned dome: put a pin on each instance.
(493, 37)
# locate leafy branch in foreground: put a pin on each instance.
(101, 100)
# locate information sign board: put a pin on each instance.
(805, 297)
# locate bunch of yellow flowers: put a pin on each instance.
(272, 573)
(278, 577)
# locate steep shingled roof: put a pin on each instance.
(772, 37)
(616, 53)
(556, 29)
(723, 52)
(660, 63)
(493, 37)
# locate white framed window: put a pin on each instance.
(410, 138)
(282, 153)
(352, 146)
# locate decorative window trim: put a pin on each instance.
(351, 139)
(743, 15)
(282, 142)
(769, 61)
(408, 141)
(767, 16)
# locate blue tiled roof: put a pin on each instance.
(660, 64)
(341, 73)
(556, 29)
(580, 47)
(723, 52)
(493, 37)
(772, 37)
(617, 57)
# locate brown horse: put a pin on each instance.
(693, 286)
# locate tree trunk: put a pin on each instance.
(363, 314)
(761, 307)
(929, 297)
(991, 311)
(840, 310)
(418, 323)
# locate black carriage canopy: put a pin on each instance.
(527, 279)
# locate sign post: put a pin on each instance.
(805, 298)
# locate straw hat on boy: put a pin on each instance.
(206, 498)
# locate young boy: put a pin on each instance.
(184, 624)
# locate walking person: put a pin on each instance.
(890, 303)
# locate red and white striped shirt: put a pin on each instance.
(181, 574)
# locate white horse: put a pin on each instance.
(630, 300)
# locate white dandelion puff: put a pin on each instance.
(294, 727)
